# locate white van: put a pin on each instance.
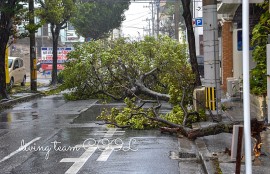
(17, 72)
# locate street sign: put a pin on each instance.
(198, 22)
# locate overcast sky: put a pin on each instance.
(136, 20)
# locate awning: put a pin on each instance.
(225, 8)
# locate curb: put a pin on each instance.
(9, 103)
(206, 157)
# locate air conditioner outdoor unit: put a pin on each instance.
(233, 87)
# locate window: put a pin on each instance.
(16, 64)
(70, 27)
(240, 41)
(21, 62)
(10, 63)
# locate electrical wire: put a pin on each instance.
(132, 27)
(137, 13)
(136, 18)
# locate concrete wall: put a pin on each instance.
(257, 107)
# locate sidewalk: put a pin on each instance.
(212, 149)
(23, 96)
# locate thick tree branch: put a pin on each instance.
(183, 108)
(143, 76)
(151, 93)
(110, 95)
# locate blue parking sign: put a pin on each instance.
(198, 22)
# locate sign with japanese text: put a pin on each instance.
(47, 54)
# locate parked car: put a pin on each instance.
(17, 72)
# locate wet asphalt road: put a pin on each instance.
(52, 136)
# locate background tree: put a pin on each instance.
(167, 27)
(259, 40)
(185, 8)
(11, 13)
(95, 19)
(191, 40)
(57, 13)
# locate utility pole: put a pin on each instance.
(176, 19)
(158, 20)
(33, 60)
(149, 26)
(211, 57)
(246, 86)
(153, 17)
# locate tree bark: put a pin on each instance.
(5, 28)
(191, 41)
(144, 90)
(55, 34)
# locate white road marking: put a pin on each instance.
(110, 132)
(107, 152)
(104, 133)
(79, 162)
(19, 150)
(72, 160)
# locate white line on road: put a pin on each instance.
(107, 152)
(110, 132)
(79, 162)
(20, 149)
(106, 133)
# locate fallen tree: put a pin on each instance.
(142, 72)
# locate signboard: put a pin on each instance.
(47, 53)
(198, 22)
(47, 57)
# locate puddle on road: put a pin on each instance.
(93, 112)
(9, 117)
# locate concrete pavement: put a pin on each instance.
(213, 150)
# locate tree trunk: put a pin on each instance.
(55, 34)
(5, 27)
(191, 41)
(3, 85)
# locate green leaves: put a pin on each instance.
(56, 12)
(113, 69)
(260, 33)
(125, 117)
(96, 19)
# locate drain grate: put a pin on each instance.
(186, 155)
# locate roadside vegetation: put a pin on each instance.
(259, 41)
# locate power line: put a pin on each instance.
(132, 27)
(135, 18)
(137, 13)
